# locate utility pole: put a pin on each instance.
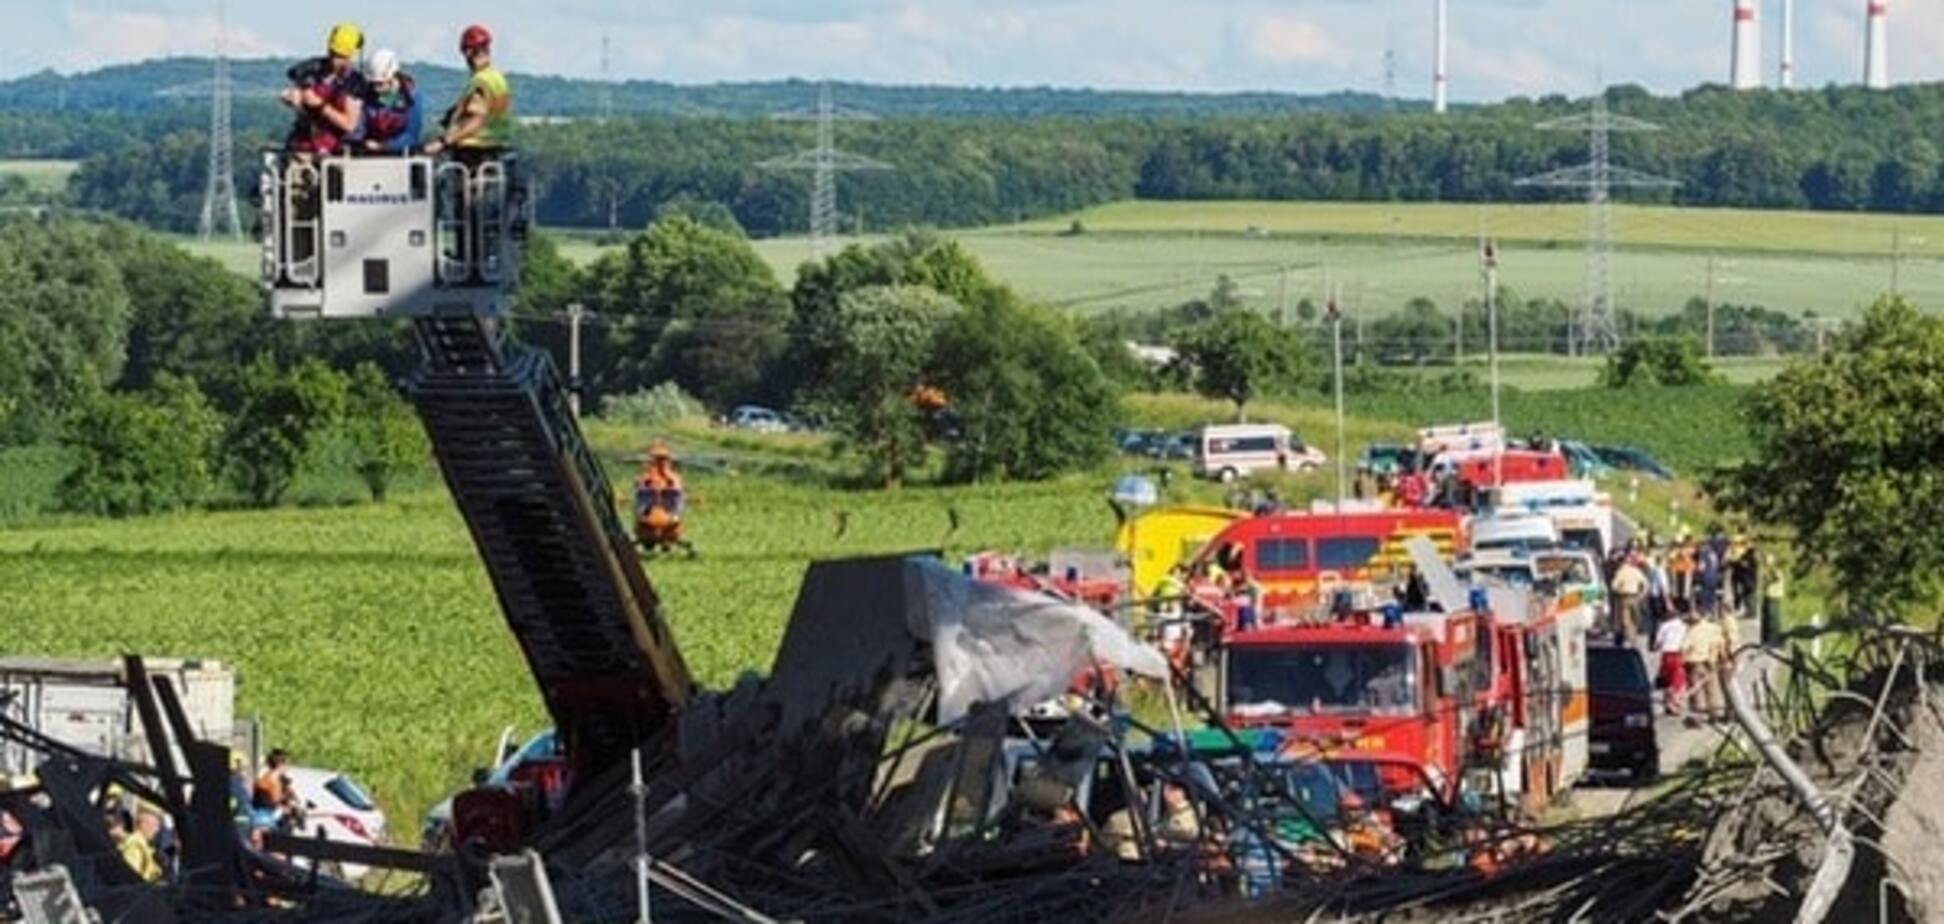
(1896, 260)
(823, 163)
(1708, 299)
(1490, 258)
(1598, 176)
(575, 312)
(1334, 314)
(1282, 296)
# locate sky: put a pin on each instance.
(1499, 48)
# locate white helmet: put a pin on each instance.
(381, 66)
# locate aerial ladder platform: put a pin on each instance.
(438, 241)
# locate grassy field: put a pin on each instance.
(1145, 255)
(43, 176)
(367, 637)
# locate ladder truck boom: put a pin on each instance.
(438, 241)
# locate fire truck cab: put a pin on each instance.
(1369, 680)
(382, 236)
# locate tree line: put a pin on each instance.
(1840, 148)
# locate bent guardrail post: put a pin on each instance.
(1840, 850)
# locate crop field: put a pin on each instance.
(43, 176)
(1146, 255)
(367, 638)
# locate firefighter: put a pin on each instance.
(327, 94)
(478, 122)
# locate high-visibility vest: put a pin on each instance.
(490, 85)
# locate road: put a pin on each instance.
(1679, 743)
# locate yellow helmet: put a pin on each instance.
(345, 40)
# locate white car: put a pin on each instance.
(338, 809)
(759, 419)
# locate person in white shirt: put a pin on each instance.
(1673, 672)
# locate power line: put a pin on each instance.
(1599, 331)
(823, 163)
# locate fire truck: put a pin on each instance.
(437, 241)
(1295, 556)
(1408, 687)
(1536, 710)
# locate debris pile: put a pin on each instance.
(911, 757)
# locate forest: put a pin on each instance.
(974, 157)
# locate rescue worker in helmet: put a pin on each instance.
(328, 95)
(390, 122)
(477, 124)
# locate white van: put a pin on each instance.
(1228, 452)
(1526, 532)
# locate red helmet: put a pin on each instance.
(474, 38)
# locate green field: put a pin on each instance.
(367, 637)
(43, 176)
(1146, 255)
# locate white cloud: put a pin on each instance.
(1278, 39)
(99, 36)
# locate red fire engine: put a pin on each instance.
(1297, 556)
(1409, 685)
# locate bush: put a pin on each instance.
(385, 436)
(275, 431)
(652, 407)
(140, 453)
(1670, 361)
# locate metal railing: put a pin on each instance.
(455, 242)
(299, 180)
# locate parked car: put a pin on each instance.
(759, 419)
(1175, 447)
(1622, 699)
(435, 831)
(1582, 461)
(1632, 459)
(1387, 459)
(336, 808)
(1139, 442)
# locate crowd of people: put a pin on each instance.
(145, 837)
(350, 102)
(1684, 602)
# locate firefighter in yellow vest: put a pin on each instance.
(480, 120)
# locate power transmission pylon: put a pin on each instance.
(824, 162)
(219, 195)
(1598, 327)
(607, 86)
(1390, 67)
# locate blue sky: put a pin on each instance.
(1499, 47)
